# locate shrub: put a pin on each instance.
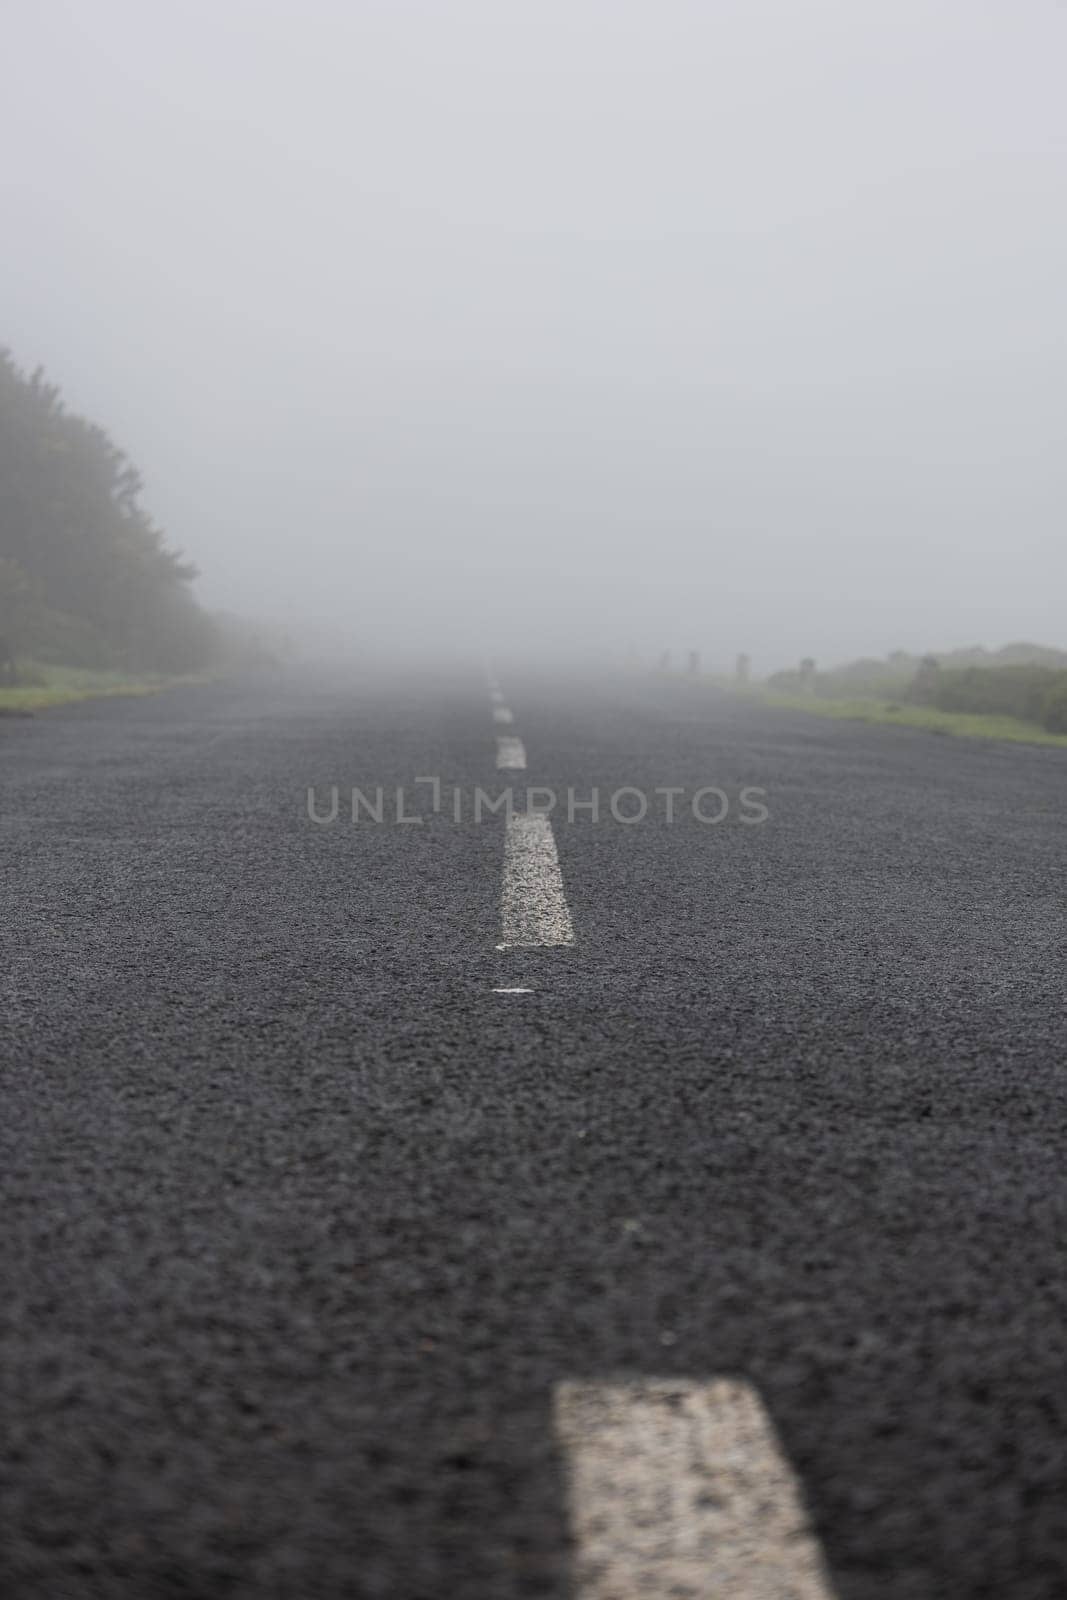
(1001, 691)
(1054, 708)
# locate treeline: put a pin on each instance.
(86, 578)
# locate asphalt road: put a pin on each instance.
(305, 1223)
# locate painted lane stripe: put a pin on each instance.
(502, 714)
(513, 991)
(681, 1488)
(496, 696)
(510, 753)
(534, 909)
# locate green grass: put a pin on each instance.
(58, 686)
(960, 724)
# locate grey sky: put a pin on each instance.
(739, 323)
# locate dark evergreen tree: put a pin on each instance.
(85, 575)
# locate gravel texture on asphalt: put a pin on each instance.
(302, 1222)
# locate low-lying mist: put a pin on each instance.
(570, 329)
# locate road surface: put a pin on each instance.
(537, 1206)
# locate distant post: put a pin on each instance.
(694, 663)
(741, 670)
(807, 675)
(665, 661)
(925, 684)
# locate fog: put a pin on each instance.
(571, 323)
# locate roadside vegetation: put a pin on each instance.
(1018, 693)
(93, 599)
(40, 686)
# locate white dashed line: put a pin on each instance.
(534, 909)
(681, 1488)
(502, 714)
(510, 753)
(513, 991)
(496, 696)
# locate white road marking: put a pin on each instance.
(681, 1488)
(534, 908)
(510, 753)
(496, 696)
(502, 714)
(513, 991)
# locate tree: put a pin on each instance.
(85, 575)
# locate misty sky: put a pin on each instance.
(738, 323)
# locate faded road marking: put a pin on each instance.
(502, 714)
(510, 752)
(681, 1488)
(534, 908)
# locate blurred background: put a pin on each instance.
(572, 326)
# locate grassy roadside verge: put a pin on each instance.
(958, 724)
(58, 686)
